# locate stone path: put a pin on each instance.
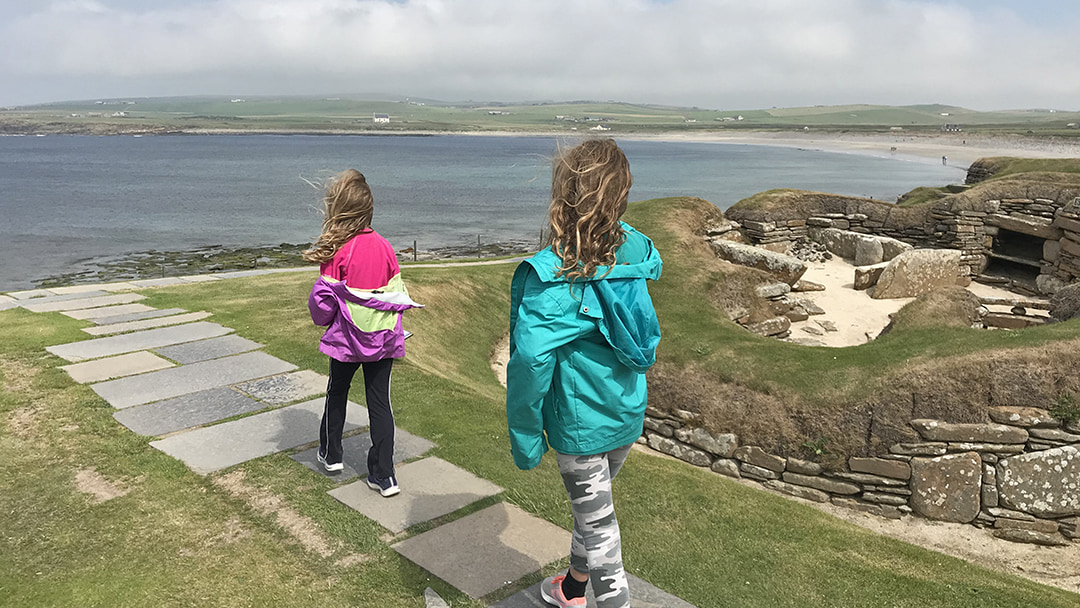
(213, 400)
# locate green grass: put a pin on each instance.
(167, 542)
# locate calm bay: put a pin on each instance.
(68, 201)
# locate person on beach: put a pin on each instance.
(359, 297)
(582, 334)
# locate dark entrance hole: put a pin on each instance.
(1019, 247)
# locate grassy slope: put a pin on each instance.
(712, 541)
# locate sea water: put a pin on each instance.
(68, 200)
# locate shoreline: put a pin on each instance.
(959, 149)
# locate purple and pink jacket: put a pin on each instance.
(359, 298)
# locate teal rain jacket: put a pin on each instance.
(578, 353)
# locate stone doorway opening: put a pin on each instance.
(1014, 261)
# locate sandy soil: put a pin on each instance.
(858, 317)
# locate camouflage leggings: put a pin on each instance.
(596, 547)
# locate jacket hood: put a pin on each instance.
(547, 264)
(618, 300)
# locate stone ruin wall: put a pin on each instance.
(1018, 475)
(966, 223)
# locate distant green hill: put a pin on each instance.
(331, 114)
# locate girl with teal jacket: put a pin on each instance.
(582, 334)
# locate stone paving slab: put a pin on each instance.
(141, 340)
(406, 447)
(90, 314)
(236, 274)
(198, 278)
(28, 294)
(137, 316)
(161, 282)
(196, 409)
(76, 303)
(481, 552)
(215, 447)
(80, 289)
(203, 350)
(169, 383)
(115, 367)
(430, 488)
(279, 390)
(119, 328)
(642, 595)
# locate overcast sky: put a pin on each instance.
(723, 54)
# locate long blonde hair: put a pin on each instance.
(348, 206)
(589, 188)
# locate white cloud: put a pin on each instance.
(711, 53)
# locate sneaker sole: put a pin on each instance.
(385, 493)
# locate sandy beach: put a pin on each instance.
(959, 149)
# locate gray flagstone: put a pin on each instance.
(430, 488)
(82, 289)
(482, 552)
(406, 447)
(141, 340)
(91, 314)
(212, 348)
(30, 294)
(115, 367)
(286, 388)
(72, 303)
(160, 282)
(119, 328)
(184, 412)
(216, 447)
(186, 379)
(153, 313)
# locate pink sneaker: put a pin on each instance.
(551, 591)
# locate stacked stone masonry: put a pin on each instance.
(1018, 475)
(982, 230)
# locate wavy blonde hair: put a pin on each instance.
(589, 188)
(348, 206)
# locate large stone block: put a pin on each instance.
(935, 430)
(1027, 417)
(947, 488)
(722, 445)
(867, 276)
(822, 483)
(678, 450)
(868, 251)
(918, 271)
(880, 466)
(797, 491)
(1030, 225)
(1045, 483)
(783, 267)
(756, 456)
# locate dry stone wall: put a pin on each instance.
(975, 223)
(1018, 475)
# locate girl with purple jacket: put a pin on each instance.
(359, 297)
